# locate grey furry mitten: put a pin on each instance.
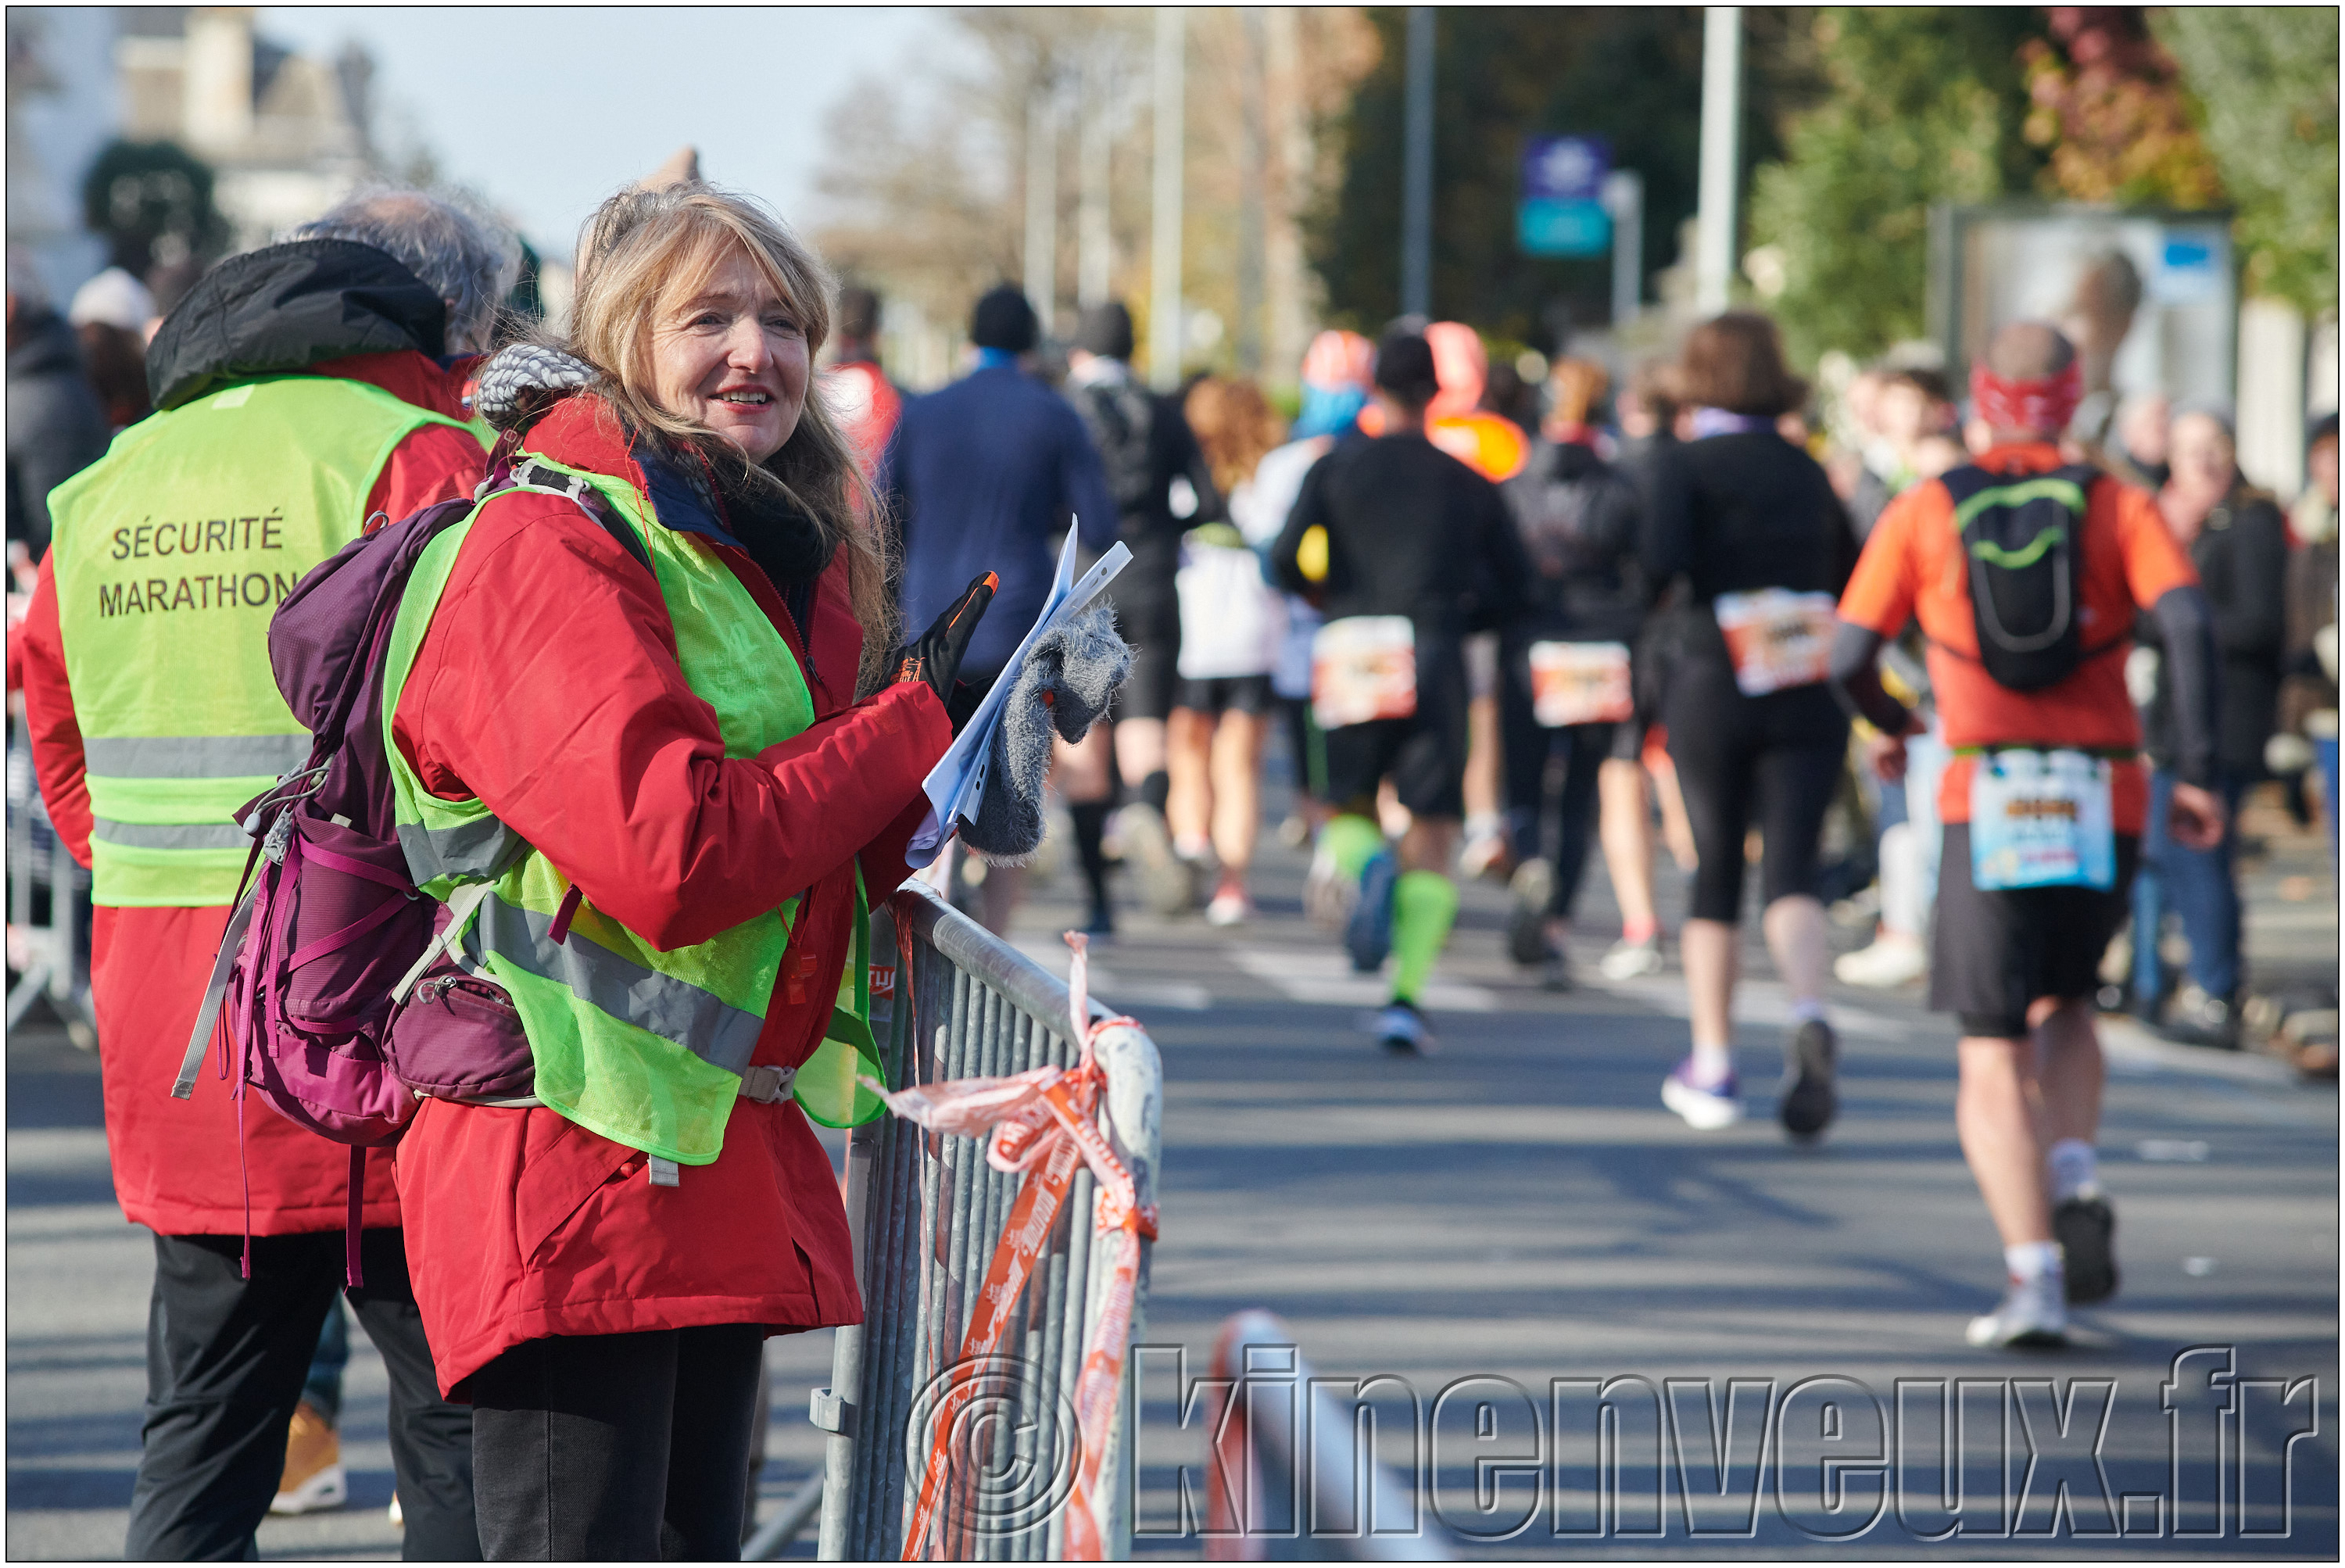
(1066, 683)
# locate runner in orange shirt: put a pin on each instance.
(2044, 800)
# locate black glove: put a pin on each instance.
(935, 657)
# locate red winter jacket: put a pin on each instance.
(175, 1167)
(548, 686)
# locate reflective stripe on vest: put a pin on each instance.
(661, 1004)
(467, 851)
(171, 553)
(643, 1046)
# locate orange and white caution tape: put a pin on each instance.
(1042, 1123)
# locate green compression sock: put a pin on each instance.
(1425, 906)
(1351, 841)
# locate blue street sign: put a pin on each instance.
(1571, 168)
(1555, 226)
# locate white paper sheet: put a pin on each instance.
(956, 785)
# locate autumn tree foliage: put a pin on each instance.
(2263, 82)
(2107, 103)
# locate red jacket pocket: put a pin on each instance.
(562, 1166)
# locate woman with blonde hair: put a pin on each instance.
(646, 696)
(1232, 622)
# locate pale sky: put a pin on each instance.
(547, 110)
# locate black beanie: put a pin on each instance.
(1106, 330)
(1004, 320)
(1404, 368)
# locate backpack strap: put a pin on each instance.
(532, 474)
(463, 904)
(216, 990)
(1973, 489)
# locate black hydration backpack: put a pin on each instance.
(1122, 418)
(2023, 543)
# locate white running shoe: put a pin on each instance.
(1167, 883)
(1706, 1107)
(1485, 853)
(1229, 909)
(2034, 1312)
(1892, 961)
(1625, 960)
(1327, 893)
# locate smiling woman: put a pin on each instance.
(624, 696)
(696, 304)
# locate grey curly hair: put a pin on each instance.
(464, 256)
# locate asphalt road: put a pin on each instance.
(1520, 1209)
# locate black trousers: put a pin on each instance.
(611, 1447)
(226, 1358)
(1775, 759)
(1526, 748)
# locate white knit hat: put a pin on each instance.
(114, 298)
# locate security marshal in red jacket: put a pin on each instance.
(664, 665)
(301, 390)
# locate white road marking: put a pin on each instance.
(1179, 995)
(1306, 974)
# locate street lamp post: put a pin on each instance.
(1721, 105)
(1043, 201)
(1624, 201)
(1165, 263)
(1094, 255)
(1417, 179)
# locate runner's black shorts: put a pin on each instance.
(1223, 694)
(1996, 951)
(1423, 755)
(1153, 626)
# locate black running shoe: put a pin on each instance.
(2087, 1228)
(1533, 882)
(1807, 1101)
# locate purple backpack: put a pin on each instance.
(313, 978)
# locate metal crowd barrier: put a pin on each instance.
(53, 955)
(927, 1213)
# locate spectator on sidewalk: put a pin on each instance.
(112, 315)
(2308, 700)
(56, 425)
(2138, 455)
(867, 401)
(2239, 541)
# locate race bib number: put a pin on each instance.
(1364, 669)
(2041, 819)
(1580, 683)
(1777, 639)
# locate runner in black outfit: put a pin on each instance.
(1580, 521)
(1150, 452)
(1736, 511)
(1405, 530)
